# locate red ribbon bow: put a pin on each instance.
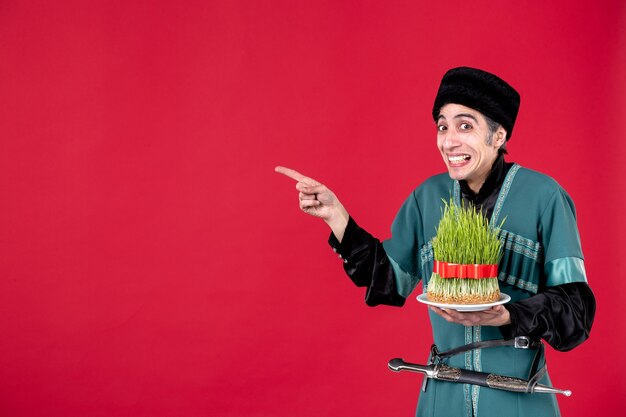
(473, 271)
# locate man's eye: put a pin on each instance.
(441, 128)
(465, 126)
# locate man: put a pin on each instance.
(541, 269)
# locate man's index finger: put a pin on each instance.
(291, 173)
(295, 175)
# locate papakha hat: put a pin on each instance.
(481, 91)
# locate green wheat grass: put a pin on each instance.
(464, 236)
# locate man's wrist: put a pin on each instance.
(338, 223)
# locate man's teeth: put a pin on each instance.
(458, 158)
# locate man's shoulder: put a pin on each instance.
(539, 180)
(536, 184)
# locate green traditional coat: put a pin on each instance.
(541, 249)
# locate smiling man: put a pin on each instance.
(542, 266)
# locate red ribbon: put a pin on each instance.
(473, 271)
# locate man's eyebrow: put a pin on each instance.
(471, 116)
(459, 116)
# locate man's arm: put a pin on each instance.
(367, 264)
(561, 315)
(365, 260)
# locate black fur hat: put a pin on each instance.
(480, 91)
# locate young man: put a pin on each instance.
(542, 267)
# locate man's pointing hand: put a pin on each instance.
(318, 200)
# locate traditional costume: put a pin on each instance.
(542, 267)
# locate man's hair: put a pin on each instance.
(492, 128)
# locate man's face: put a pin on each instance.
(462, 136)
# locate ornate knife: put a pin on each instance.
(447, 373)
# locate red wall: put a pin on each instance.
(153, 264)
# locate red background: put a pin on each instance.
(153, 264)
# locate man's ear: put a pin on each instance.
(499, 137)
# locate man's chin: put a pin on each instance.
(456, 174)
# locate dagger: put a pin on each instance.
(447, 373)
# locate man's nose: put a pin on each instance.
(450, 140)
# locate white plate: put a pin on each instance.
(504, 298)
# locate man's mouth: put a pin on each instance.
(458, 159)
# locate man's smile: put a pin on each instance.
(458, 159)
